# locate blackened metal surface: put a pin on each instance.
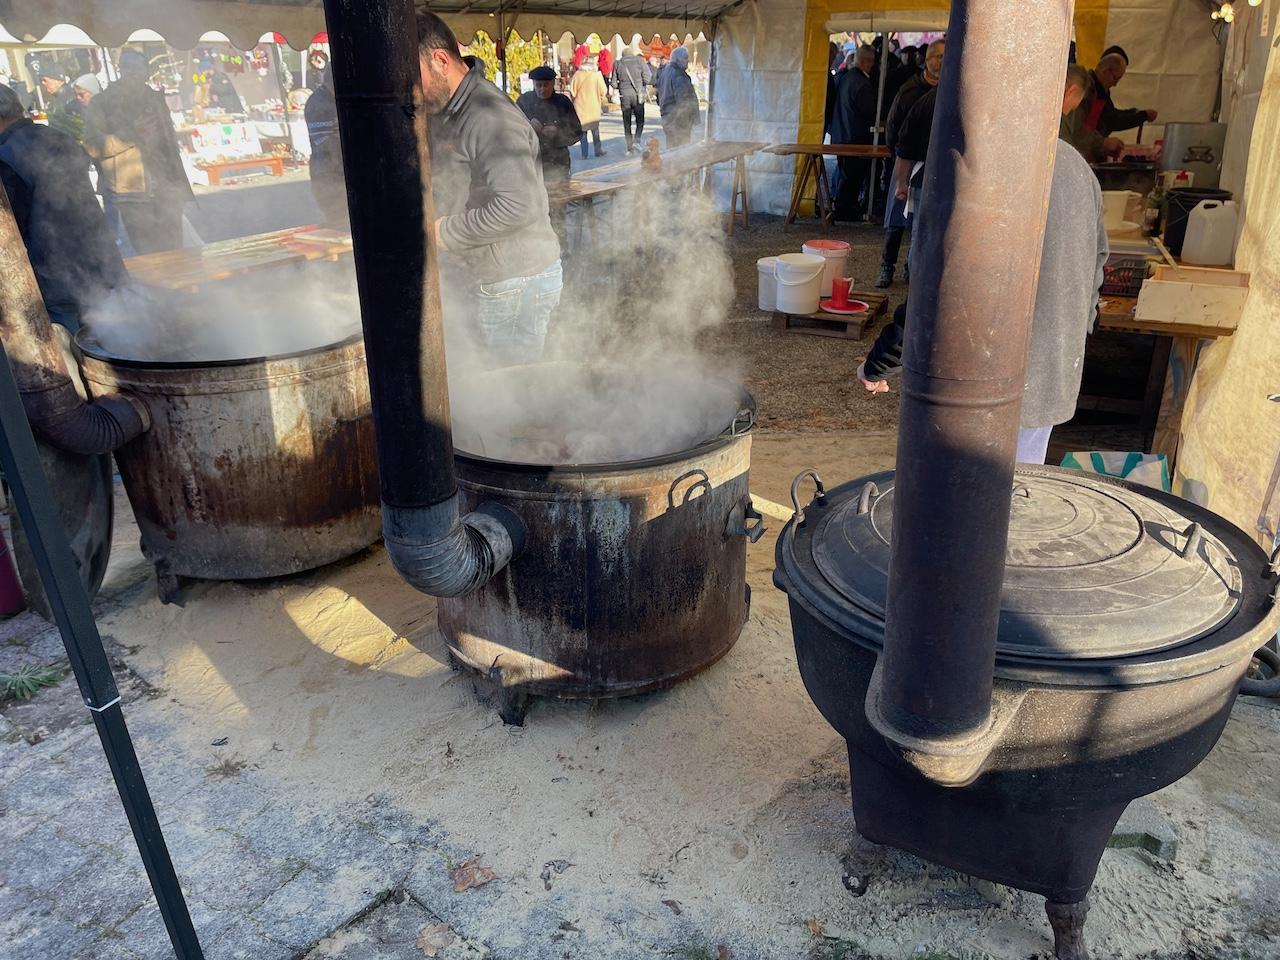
(1093, 570)
(972, 294)
(630, 580)
(1088, 736)
(251, 470)
(374, 45)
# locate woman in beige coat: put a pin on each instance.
(588, 92)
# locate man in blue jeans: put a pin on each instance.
(498, 252)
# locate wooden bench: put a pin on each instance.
(216, 168)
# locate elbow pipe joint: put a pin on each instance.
(61, 417)
(444, 553)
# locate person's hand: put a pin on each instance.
(1112, 146)
(1151, 116)
(872, 386)
(901, 189)
(537, 126)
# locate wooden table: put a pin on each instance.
(216, 168)
(188, 269)
(1173, 363)
(691, 160)
(813, 168)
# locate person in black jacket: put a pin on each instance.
(852, 119)
(896, 217)
(554, 120)
(632, 77)
(328, 178)
(498, 254)
(677, 100)
(46, 176)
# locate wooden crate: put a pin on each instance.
(1204, 297)
(842, 326)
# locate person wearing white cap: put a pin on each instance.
(86, 87)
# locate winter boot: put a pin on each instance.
(886, 276)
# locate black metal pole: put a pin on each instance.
(70, 604)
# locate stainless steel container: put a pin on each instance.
(1196, 148)
(252, 468)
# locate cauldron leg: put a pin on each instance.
(1067, 920)
(513, 704)
(862, 862)
(169, 585)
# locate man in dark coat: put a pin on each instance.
(896, 217)
(852, 120)
(677, 101)
(554, 120)
(128, 131)
(499, 258)
(632, 77)
(1090, 127)
(46, 176)
(1071, 270)
(328, 179)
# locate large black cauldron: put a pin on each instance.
(1128, 617)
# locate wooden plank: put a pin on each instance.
(842, 326)
(865, 150)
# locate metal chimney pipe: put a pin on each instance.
(973, 290)
(374, 48)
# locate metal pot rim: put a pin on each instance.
(136, 364)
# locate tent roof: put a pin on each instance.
(183, 22)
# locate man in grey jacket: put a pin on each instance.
(1074, 253)
(497, 250)
(632, 77)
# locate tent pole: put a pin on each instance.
(713, 61)
(875, 130)
(502, 51)
(70, 604)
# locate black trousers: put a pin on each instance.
(152, 225)
(632, 110)
(850, 188)
(892, 246)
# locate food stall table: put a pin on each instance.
(188, 269)
(1177, 347)
(586, 189)
(813, 168)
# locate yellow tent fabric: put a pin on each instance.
(1230, 454)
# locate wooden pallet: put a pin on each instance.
(842, 326)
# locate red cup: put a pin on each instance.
(840, 290)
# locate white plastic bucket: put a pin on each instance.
(767, 288)
(836, 255)
(1115, 204)
(799, 277)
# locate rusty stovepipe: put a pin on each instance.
(57, 412)
(972, 294)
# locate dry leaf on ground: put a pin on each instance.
(673, 904)
(470, 874)
(435, 938)
(814, 926)
(722, 952)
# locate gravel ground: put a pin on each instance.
(804, 382)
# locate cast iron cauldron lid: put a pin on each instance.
(1094, 570)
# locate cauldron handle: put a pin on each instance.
(703, 483)
(819, 494)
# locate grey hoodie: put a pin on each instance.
(487, 185)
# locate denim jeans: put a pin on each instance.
(514, 315)
(592, 129)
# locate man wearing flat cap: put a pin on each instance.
(554, 120)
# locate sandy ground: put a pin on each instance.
(712, 814)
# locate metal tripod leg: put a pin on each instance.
(70, 605)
